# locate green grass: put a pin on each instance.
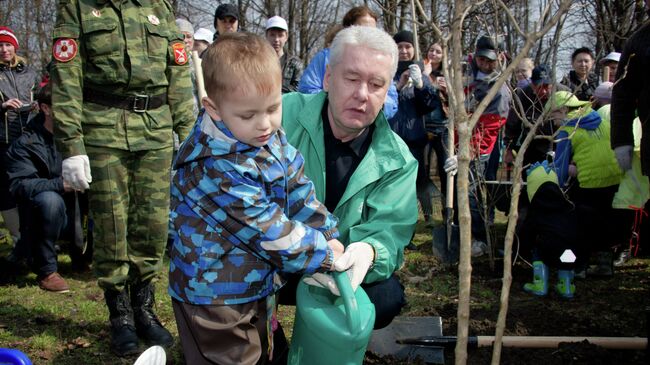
(72, 328)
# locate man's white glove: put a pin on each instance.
(451, 165)
(356, 260)
(76, 171)
(624, 156)
(416, 76)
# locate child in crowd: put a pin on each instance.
(242, 211)
(584, 154)
(550, 231)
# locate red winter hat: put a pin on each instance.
(7, 35)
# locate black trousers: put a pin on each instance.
(46, 218)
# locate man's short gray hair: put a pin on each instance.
(369, 37)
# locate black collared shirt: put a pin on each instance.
(341, 159)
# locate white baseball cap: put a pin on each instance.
(203, 34)
(277, 22)
(612, 56)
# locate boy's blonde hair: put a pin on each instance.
(241, 62)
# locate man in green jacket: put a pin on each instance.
(121, 84)
(362, 171)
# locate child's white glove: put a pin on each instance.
(324, 281)
(356, 260)
(76, 171)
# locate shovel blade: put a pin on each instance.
(445, 243)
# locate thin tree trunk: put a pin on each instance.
(464, 219)
(531, 38)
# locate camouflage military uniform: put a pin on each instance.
(291, 73)
(121, 84)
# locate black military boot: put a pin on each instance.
(124, 340)
(148, 326)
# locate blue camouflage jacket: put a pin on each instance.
(239, 215)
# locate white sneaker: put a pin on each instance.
(479, 248)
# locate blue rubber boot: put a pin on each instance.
(539, 286)
(565, 287)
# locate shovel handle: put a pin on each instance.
(619, 343)
(451, 148)
(200, 83)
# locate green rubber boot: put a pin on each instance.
(565, 287)
(539, 286)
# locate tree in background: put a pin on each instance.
(603, 25)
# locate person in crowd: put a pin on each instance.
(597, 167)
(362, 171)
(240, 187)
(312, 78)
(494, 161)
(583, 153)
(202, 39)
(611, 62)
(46, 202)
(17, 81)
(417, 98)
(631, 98)
(581, 80)
(532, 98)
(115, 106)
(188, 33)
(550, 230)
(523, 72)
(277, 34)
(485, 71)
(226, 20)
(634, 189)
(436, 122)
(603, 98)
(331, 32)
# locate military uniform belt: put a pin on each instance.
(138, 103)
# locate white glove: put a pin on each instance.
(416, 76)
(356, 260)
(624, 156)
(451, 165)
(324, 281)
(76, 171)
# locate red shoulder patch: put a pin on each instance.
(180, 54)
(64, 49)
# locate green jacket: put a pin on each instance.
(125, 48)
(379, 205)
(585, 141)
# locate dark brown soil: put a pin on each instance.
(614, 306)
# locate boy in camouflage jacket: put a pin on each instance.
(242, 210)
